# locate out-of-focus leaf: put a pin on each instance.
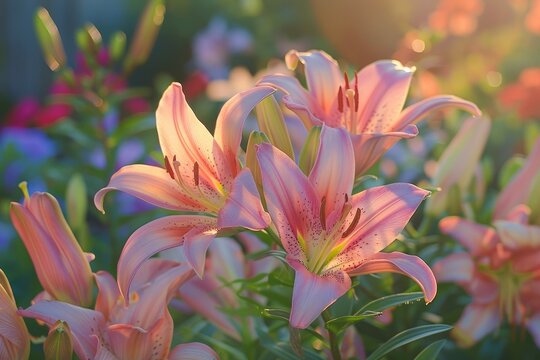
(77, 203)
(431, 351)
(49, 39)
(145, 34)
(509, 169)
(406, 337)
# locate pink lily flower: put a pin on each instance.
(14, 337)
(143, 330)
(202, 174)
(61, 266)
(501, 272)
(369, 106)
(330, 234)
(225, 264)
(501, 268)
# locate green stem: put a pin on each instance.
(334, 341)
(424, 227)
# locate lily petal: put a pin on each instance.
(476, 322)
(84, 323)
(517, 191)
(322, 291)
(151, 184)
(243, 207)
(231, 118)
(408, 265)
(385, 210)
(456, 267)
(516, 236)
(371, 146)
(478, 239)
(193, 351)
(196, 243)
(335, 156)
(108, 293)
(292, 211)
(184, 137)
(323, 76)
(383, 88)
(421, 109)
(14, 337)
(151, 238)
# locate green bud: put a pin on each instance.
(309, 152)
(77, 203)
(49, 39)
(255, 138)
(117, 45)
(89, 39)
(145, 34)
(271, 122)
(59, 344)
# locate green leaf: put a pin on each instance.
(373, 308)
(389, 301)
(406, 337)
(509, 169)
(431, 351)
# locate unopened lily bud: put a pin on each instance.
(271, 122)
(145, 35)
(308, 155)
(458, 163)
(117, 45)
(61, 266)
(49, 39)
(59, 344)
(77, 203)
(89, 39)
(255, 138)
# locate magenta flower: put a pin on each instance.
(14, 337)
(369, 107)
(143, 330)
(202, 174)
(61, 266)
(330, 234)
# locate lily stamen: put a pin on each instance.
(196, 173)
(353, 224)
(168, 167)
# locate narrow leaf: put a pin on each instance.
(431, 352)
(406, 337)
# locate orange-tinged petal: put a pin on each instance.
(151, 184)
(108, 293)
(408, 265)
(476, 238)
(231, 118)
(151, 238)
(184, 137)
(457, 267)
(517, 236)
(313, 293)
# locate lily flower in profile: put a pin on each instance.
(369, 106)
(61, 266)
(328, 233)
(14, 337)
(202, 174)
(142, 330)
